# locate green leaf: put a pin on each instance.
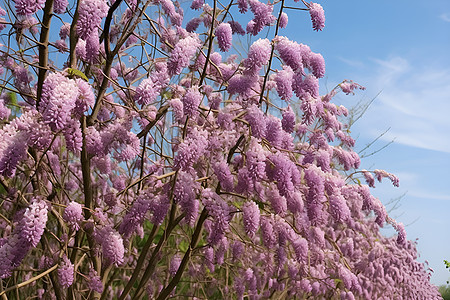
(76, 73)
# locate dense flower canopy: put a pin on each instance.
(143, 154)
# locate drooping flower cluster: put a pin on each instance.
(164, 158)
(91, 13)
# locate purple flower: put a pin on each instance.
(307, 87)
(317, 16)
(250, 216)
(181, 55)
(241, 84)
(255, 117)
(258, 56)
(91, 13)
(112, 245)
(291, 53)
(277, 201)
(185, 194)
(95, 282)
(28, 7)
(59, 6)
(191, 149)
(236, 27)
(224, 35)
(193, 24)
(283, 20)
(288, 121)
(135, 216)
(73, 215)
(224, 175)
(191, 100)
(65, 272)
(61, 46)
(151, 87)
(92, 48)
(33, 222)
(300, 246)
(316, 64)
(283, 81)
(59, 96)
(174, 264)
(197, 4)
(243, 6)
(273, 131)
(86, 97)
(262, 16)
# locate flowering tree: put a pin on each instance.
(141, 156)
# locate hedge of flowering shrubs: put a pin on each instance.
(145, 155)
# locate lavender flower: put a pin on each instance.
(135, 216)
(283, 81)
(28, 7)
(224, 36)
(33, 222)
(236, 28)
(191, 149)
(250, 217)
(73, 215)
(59, 96)
(91, 13)
(112, 245)
(182, 53)
(66, 272)
(224, 175)
(258, 56)
(288, 121)
(283, 20)
(317, 16)
(191, 100)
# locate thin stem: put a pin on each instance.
(277, 26)
(43, 48)
(22, 284)
(139, 264)
(195, 237)
(211, 37)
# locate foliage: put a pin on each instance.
(445, 291)
(137, 161)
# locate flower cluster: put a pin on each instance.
(153, 152)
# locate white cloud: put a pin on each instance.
(445, 17)
(414, 102)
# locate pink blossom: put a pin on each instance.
(28, 7)
(191, 100)
(91, 13)
(317, 16)
(284, 80)
(73, 215)
(66, 273)
(59, 6)
(224, 36)
(283, 21)
(258, 56)
(182, 53)
(251, 216)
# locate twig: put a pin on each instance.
(22, 284)
(43, 48)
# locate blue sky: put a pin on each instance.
(401, 49)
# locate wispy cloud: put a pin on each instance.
(445, 17)
(414, 102)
